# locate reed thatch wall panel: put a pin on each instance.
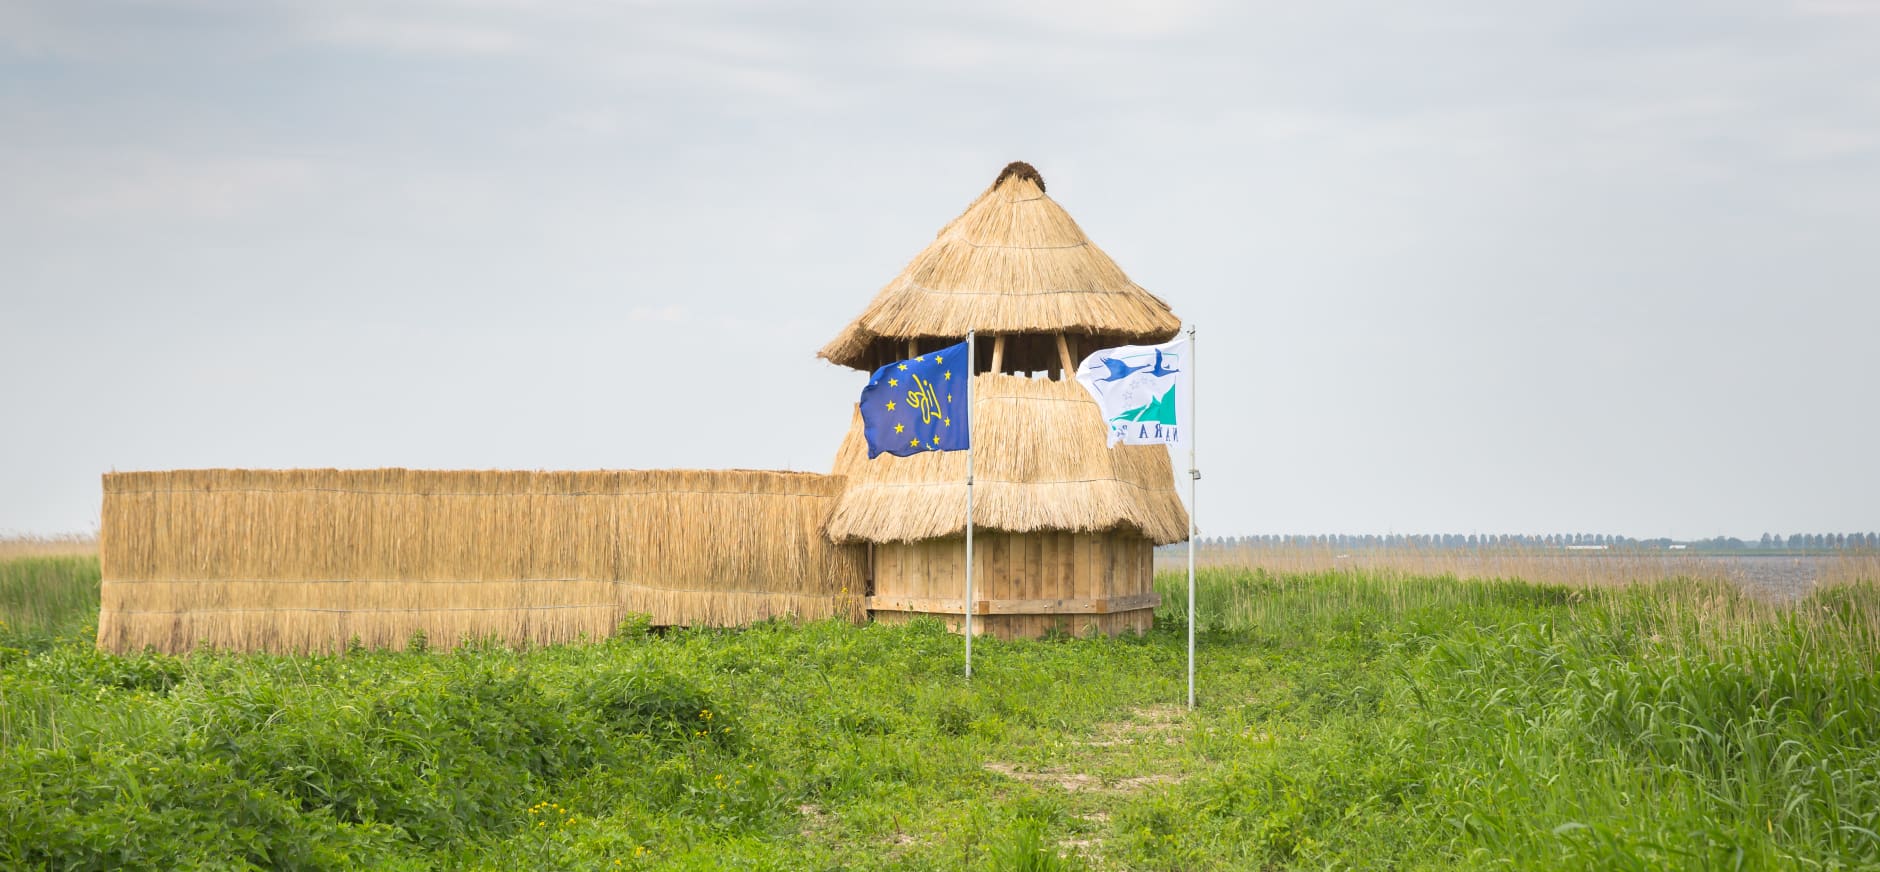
(1041, 463)
(297, 560)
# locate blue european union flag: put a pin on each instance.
(918, 405)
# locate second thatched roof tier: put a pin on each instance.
(1040, 464)
(1013, 263)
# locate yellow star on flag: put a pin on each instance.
(913, 443)
(938, 359)
(946, 422)
(894, 382)
(949, 374)
(921, 359)
(898, 428)
(890, 405)
(903, 367)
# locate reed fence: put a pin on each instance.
(305, 560)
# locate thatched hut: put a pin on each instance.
(301, 560)
(1065, 527)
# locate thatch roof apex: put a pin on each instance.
(1014, 262)
(1022, 171)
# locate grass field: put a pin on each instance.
(47, 599)
(1348, 720)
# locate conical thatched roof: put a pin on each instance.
(1041, 463)
(1013, 263)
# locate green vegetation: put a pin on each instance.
(1347, 720)
(45, 599)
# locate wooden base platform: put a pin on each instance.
(1026, 585)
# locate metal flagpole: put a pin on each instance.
(972, 367)
(1194, 476)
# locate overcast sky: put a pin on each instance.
(1455, 267)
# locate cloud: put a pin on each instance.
(1113, 18)
(417, 35)
(1839, 8)
(1457, 181)
(158, 185)
(671, 313)
(1823, 143)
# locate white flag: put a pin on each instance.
(1142, 390)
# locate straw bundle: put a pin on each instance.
(1013, 263)
(303, 560)
(1041, 464)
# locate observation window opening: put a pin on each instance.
(1052, 356)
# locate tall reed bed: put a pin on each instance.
(76, 544)
(44, 596)
(1772, 575)
(1676, 724)
(1851, 567)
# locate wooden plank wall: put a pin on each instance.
(1025, 584)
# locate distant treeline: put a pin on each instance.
(1769, 541)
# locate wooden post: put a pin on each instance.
(913, 349)
(1064, 357)
(998, 353)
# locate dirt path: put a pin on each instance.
(1120, 759)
